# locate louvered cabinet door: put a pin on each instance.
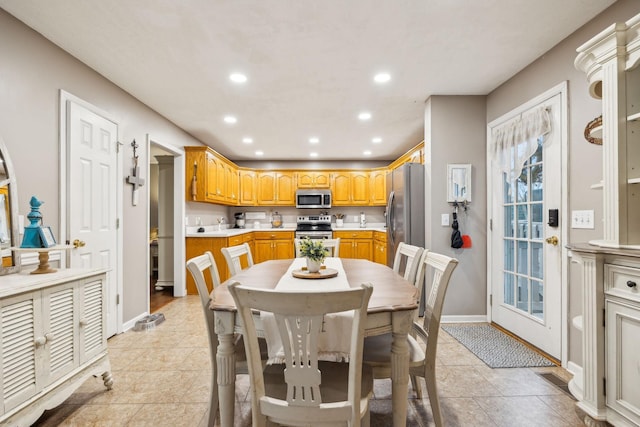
(92, 335)
(60, 353)
(20, 326)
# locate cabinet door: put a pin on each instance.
(283, 249)
(360, 186)
(267, 188)
(93, 338)
(306, 179)
(623, 347)
(285, 189)
(322, 180)
(231, 179)
(264, 250)
(346, 248)
(363, 249)
(221, 181)
(196, 246)
(341, 189)
(60, 331)
(212, 178)
(379, 187)
(21, 324)
(248, 190)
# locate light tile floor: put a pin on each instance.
(162, 379)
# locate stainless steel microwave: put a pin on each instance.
(313, 199)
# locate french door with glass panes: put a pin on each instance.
(525, 249)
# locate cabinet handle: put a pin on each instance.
(631, 284)
(40, 341)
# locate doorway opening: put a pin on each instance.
(166, 232)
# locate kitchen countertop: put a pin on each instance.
(212, 230)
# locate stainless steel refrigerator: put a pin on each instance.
(405, 207)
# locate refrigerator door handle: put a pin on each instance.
(390, 218)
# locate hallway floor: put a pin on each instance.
(162, 379)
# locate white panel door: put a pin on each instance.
(526, 253)
(92, 204)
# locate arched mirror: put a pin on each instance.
(8, 214)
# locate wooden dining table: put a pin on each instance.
(391, 309)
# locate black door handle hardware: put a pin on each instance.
(631, 284)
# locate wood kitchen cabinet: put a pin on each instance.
(248, 187)
(350, 188)
(380, 247)
(216, 180)
(196, 246)
(313, 179)
(276, 188)
(355, 244)
(232, 184)
(273, 245)
(378, 182)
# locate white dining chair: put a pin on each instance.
(233, 256)
(197, 267)
(423, 335)
(332, 244)
(406, 260)
(304, 391)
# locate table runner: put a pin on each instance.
(334, 341)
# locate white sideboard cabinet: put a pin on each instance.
(52, 331)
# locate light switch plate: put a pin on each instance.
(582, 219)
(445, 220)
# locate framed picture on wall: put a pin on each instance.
(47, 237)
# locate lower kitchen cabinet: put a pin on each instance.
(355, 244)
(53, 331)
(196, 246)
(273, 245)
(380, 247)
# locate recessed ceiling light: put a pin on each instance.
(313, 154)
(376, 140)
(314, 140)
(259, 153)
(247, 140)
(238, 78)
(230, 119)
(382, 77)
(367, 153)
(365, 115)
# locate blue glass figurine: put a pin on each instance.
(32, 237)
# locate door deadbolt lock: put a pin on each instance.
(552, 240)
(77, 243)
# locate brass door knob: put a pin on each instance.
(77, 243)
(553, 240)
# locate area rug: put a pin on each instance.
(495, 348)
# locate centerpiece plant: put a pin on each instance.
(315, 252)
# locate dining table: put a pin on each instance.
(391, 309)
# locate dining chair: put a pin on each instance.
(233, 255)
(406, 260)
(422, 363)
(332, 244)
(304, 391)
(197, 267)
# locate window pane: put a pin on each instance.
(523, 257)
(508, 289)
(508, 221)
(508, 193)
(508, 255)
(523, 294)
(537, 156)
(522, 186)
(523, 221)
(537, 227)
(536, 260)
(537, 299)
(536, 182)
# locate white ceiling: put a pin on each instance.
(310, 65)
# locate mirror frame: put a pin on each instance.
(13, 210)
(453, 194)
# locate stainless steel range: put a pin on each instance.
(314, 227)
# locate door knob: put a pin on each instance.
(77, 243)
(553, 240)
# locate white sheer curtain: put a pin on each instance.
(514, 142)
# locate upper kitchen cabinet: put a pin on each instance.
(378, 179)
(611, 61)
(350, 188)
(314, 179)
(276, 188)
(248, 187)
(209, 177)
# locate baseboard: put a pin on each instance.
(576, 385)
(131, 323)
(479, 318)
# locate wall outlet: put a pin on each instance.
(444, 220)
(582, 219)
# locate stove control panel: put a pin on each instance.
(314, 219)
